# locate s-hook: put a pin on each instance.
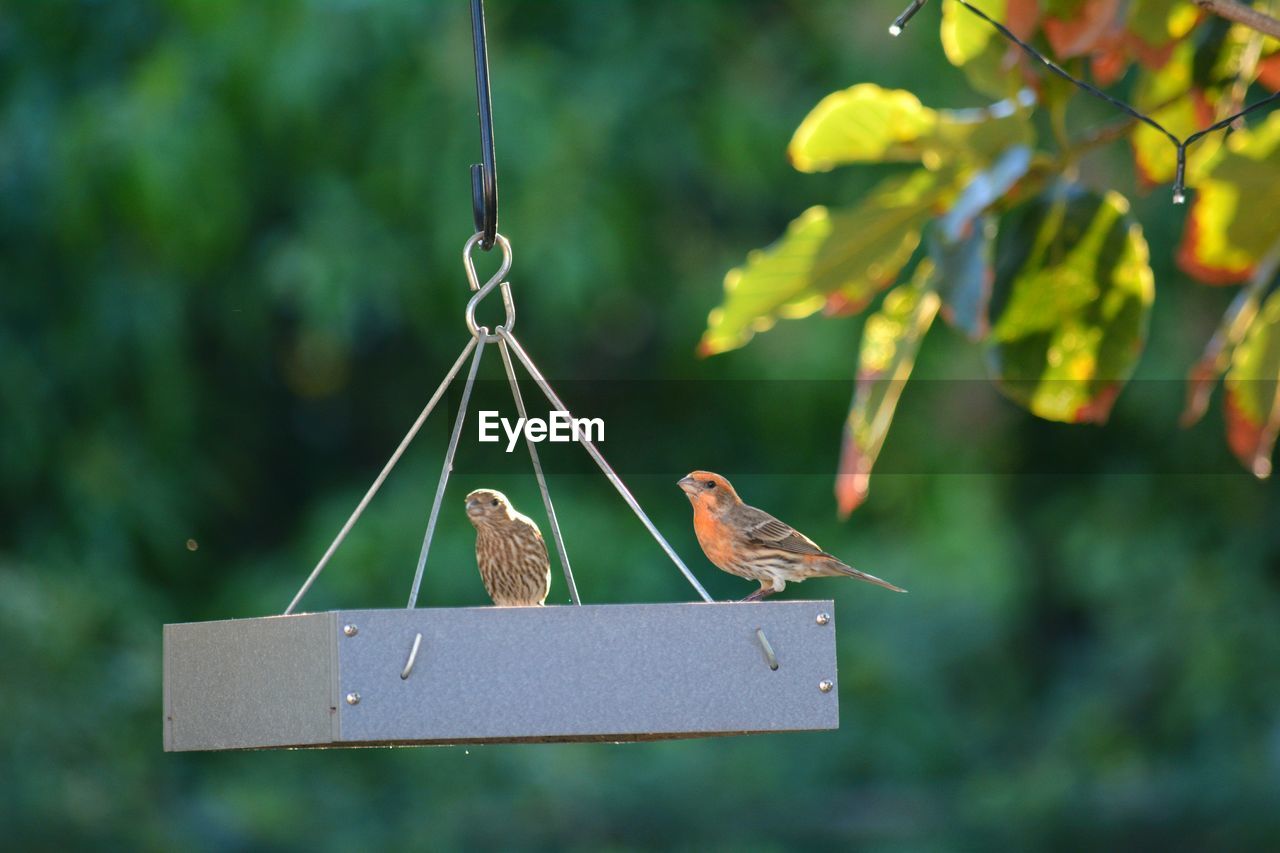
(484, 175)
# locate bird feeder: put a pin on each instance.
(500, 675)
(415, 676)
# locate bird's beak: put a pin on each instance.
(687, 485)
(472, 504)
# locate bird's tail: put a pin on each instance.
(845, 569)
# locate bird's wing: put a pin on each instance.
(526, 521)
(762, 528)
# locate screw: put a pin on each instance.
(824, 685)
(353, 698)
(350, 630)
(823, 618)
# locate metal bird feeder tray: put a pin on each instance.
(498, 674)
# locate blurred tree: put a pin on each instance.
(229, 274)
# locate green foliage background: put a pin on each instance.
(229, 276)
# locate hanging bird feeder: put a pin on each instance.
(498, 674)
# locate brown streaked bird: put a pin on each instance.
(510, 553)
(752, 544)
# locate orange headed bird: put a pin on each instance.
(752, 544)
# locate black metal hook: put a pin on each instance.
(484, 176)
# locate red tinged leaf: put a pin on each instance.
(1231, 225)
(1021, 17)
(1251, 441)
(1085, 31)
(1097, 410)
(853, 476)
(1252, 400)
(1147, 35)
(1221, 348)
(886, 356)
(1112, 55)
(1189, 253)
(1200, 381)
(1109, 65)
(1204, 109)
(840, 305)
(1151, 57)
(1269, 72)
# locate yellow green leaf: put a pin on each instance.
(965, 36)
(1157, 22)
(1072, 292)
(1231, 223)
(864, 123)
(867, 123)
(855, 252)
(974, 46)
(1253, 391)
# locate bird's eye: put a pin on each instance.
(494, 502)
(709, 484)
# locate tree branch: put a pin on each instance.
(1242, 14)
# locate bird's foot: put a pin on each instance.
(759, 594)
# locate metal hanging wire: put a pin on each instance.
(382, 476)
(445, 470)
(1180, 145)
(552, 521)
(484, 175)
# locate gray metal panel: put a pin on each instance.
(592, 672)
(597, 672)
(248, 683)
